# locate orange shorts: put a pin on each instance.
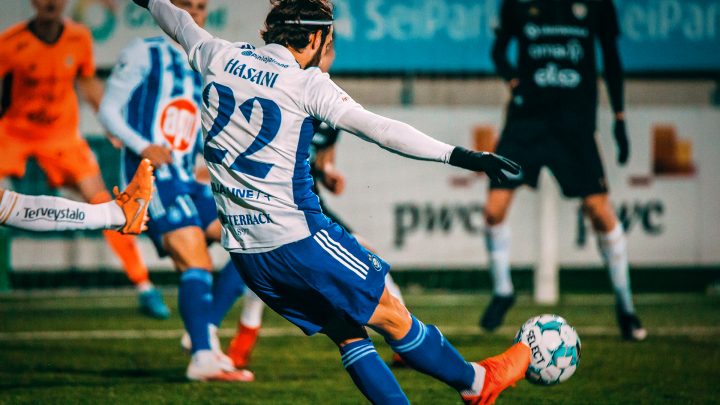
(65, 162)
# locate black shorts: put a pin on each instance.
(568, 149)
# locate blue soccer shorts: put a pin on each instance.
(177, 205)
(325, 276)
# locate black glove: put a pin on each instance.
(622, 142)
(495, 166)
(142, 3)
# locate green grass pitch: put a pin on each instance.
(94, 348)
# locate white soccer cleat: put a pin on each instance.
(205, 366)
(224, 360)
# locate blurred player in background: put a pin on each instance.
(260, 110)
(40, 62)
(551, 121)
(152, 104)
(126, 214)
(323, 171)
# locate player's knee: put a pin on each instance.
(391, 318)
(497, 206)
(214, 231)
(494, 215)
(600, 212)
(99, 197)
(93, 190)
(187, 248)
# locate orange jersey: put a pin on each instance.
(42, 100)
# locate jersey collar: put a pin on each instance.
(281, 54)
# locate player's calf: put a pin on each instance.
(361, 361)
(425, 349)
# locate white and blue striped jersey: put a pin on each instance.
(153, 96)
(259, 112)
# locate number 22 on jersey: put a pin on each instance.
(227, 106)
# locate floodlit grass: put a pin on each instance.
(677, 364)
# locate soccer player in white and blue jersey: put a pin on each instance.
(259, 109)
(152, 104)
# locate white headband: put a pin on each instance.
(309, 22)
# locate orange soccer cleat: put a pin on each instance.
(397, 361)
(242, 345)
(135, 199)
(501, 371)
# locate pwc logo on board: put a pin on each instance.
(179, 123)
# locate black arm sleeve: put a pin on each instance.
(611, 56)
(329, 137)
(503, 35)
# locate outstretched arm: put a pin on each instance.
(395, 136)
(176, 23)
(325, 101)
(403, 139)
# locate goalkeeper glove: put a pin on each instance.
(622, 142)
(497, 167)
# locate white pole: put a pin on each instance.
(546, 280)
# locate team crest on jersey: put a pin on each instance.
(579, 10)
(532, 31)
(375, 262)
(69, 61)
(179, 123)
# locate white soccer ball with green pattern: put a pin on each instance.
(555, 348)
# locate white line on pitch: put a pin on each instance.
(681, 331)
(121, 299)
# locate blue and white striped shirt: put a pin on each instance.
(153, 96)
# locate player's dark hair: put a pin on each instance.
(289, 22)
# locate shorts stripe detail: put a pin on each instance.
(357, 355)
(341, 251)
(156, 207)
(341, 247)
(182, 202)
(333, 254)
(415, 342)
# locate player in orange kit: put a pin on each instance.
(40, 62)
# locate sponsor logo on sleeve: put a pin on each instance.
(53, 215)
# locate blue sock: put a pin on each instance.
(370, 374)
(228, 286)
(194, 299)
(426, 350)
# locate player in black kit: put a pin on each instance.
(551, 121)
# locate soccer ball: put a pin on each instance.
(555, 348)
